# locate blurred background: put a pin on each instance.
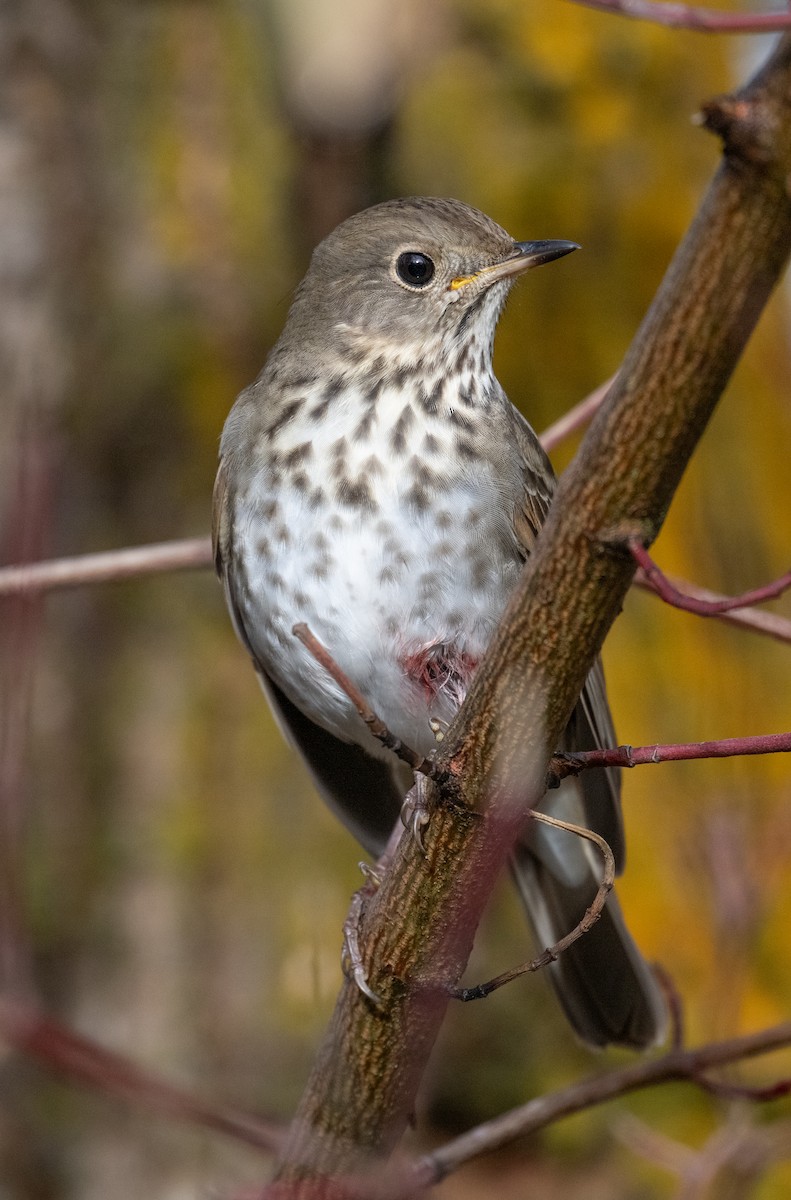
(171, 887)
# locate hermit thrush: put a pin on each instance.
(376, 483)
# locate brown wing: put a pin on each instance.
(364, 792)
(590, 726)
(602, 981)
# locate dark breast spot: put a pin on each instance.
(400, 429)
(364, 426)
(355, 493)
(320, 567)
(429, 400)
(372, 466)
(281, 418)
(319, 410)
(460, 420)
(480, 571)
(418, 498)
(330, 392)
(299, 455)
(465, 449)
(374, 390)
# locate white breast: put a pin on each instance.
(386, 541)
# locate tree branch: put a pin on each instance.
(184, 555)
(562, 765)
(686, 16)
(80, 1060)
(575, 418)
(675, 596)
(688, 1065)
(417, 931)
(769, 624)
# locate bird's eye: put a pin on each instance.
(414, 269)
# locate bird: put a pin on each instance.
(376, 484)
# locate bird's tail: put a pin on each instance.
(604, 984)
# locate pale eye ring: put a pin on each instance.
(414, 268)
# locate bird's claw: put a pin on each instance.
(415, 812)
(370, 874)
(357, 972)
(438, 728)
(351, 958)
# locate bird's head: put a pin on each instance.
(411, 277)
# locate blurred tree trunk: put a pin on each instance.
(47, 229)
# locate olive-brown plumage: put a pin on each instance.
(376, 483)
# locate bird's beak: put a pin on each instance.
(525, 256)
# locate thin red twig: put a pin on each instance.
(675, 1006)
(739, 1091)
(577, 416)
(769, 624)
(59, 1049)
(685, 16)
(671, 594)
(636, 756)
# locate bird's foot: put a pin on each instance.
(415, 814)
(438, 728)
(351, 957)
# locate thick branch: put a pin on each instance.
(417, 933)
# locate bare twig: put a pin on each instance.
(375, 724)
(769, 624)
(686, 1065)
(80, 1060)
(576, 417)
(186, 554)
(675, 1006)
(565, 764)
(685, 16)
(671, 594)
(590, 917)
(740, 1091)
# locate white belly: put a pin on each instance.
(379, 584)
